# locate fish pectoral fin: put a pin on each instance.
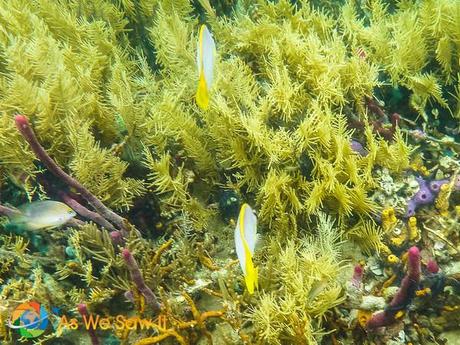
(202, 94)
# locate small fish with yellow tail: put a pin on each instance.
(245, 242)
(42, 214)
(205, 58)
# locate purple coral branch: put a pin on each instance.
(404, 295)
(380, 125)
(384, 125)
(117, 237)
(136, 277)
(83, 310)
(8, 211)
(84, 212)
(375, 108)
(27, 132)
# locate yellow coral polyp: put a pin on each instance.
(384, 249)
(423, 292)
(449, 308)
(389, 219)
(363, 317)
(442, 201)
(399, 315)
(398, 241)
(414, 233)
(419, 167)
(392, 259)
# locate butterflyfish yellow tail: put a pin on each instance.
(202, 94)
(205, 57)
(251, 277)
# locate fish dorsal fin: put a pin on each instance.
(199, 49)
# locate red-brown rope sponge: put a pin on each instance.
(104, 213)
(83, 310)
(404, 295)
(136, 277)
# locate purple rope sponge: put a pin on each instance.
(358, 148)
(136, 277)
(23, 125)
(404, 295)
(83, 310)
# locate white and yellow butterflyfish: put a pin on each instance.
(245, 242)
(205, 59)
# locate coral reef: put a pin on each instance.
(336, 121)
(404, 295)
(302, 285)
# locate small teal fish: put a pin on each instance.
(42, 214)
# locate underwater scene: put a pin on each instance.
(230, 172)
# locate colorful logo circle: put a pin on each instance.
(30, 319)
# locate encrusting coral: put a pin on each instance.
(306, 105)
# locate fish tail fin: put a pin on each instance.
(251, 278)
(202, 94)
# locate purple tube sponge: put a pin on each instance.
(357, 147)
(435, 185)
(404, 295)
(357, 278)
(425, 195)
(432, 266)
(136, 277)
(83, 310)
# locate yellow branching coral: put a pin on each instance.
(173, 186)
(308, 288)
(420, 36)
(16, 160)
(109, 89)
(395, 157)
(99, 170)
(276, 193)
(368, 236)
